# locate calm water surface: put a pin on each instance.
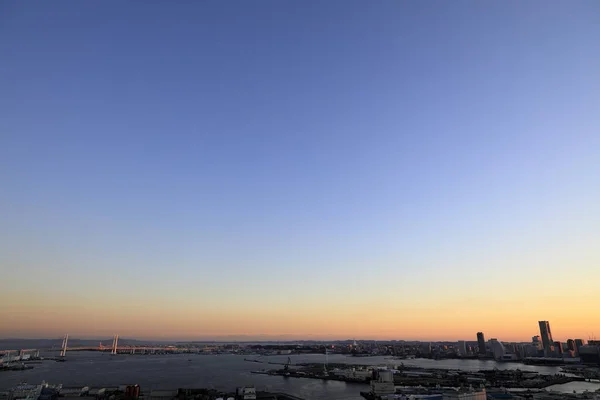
(225, 372)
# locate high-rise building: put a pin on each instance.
(462, 348)
(558, 347)
(571, 345)
(481, 343)
(579, 343)
(426, 348)
(497, 349)
(536, 341)
(547, 340)
(521, 350)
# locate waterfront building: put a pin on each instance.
(383, 383)
(590, 353)
(481, 343)
(358, 374)
(531, 350)
(546, 335)
(571, 345)
(520, 350)
(537, 345)
(497, 349)
(558, 347)
(462, 348)
(579, 343)
(246, 393)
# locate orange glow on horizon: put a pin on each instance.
(384, 321)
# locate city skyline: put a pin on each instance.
(323, 169)
(479, 338)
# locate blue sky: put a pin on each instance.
(280, 155)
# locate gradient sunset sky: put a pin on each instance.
(299, 169)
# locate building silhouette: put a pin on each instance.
(481, 343)
(547, 341)
(579, 343)
(558, 347)
(497, 348)
(462, 348)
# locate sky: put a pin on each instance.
(274, 169)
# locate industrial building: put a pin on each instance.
(383, 383)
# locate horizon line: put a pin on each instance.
(242, 339)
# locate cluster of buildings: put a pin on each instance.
(383, 388)
(45, 391)
(542, 346)
(21, 355)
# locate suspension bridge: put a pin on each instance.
(115, 348)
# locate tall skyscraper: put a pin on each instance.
(547, 340)
(481, 343)
(571, 345)
(579, 343)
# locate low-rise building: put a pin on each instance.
(383, 383)
(163, 394)
(466, 395)
(246, 393)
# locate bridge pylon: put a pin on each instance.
(115, 344)
(63, 351)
